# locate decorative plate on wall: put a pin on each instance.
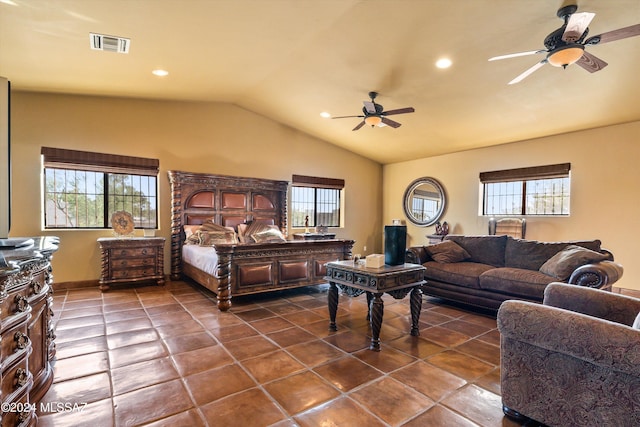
(122, 223)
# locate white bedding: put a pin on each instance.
(203, 257)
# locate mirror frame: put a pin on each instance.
(406, 204)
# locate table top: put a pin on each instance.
(385, 269)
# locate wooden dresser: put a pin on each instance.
(26, 329)
(131, 259)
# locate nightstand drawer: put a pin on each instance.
(132, 262)
(133, 273)
(132, 252)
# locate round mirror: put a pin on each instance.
(424, 201)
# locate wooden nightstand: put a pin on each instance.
(131, 259)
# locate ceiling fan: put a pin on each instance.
(374, 114)
(566, 45)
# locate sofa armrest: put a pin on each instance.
(595, 341)
(416, 255)
(592, 302)
(598, 275)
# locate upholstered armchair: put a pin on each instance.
(573, 360)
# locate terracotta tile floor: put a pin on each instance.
(165, 356)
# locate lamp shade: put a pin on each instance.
(373, 120)
(566, 55)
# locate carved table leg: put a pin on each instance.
(333, 306)
(377, 312)
(415, 300)
(369, 299)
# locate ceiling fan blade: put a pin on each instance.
(359, 125)
(370, 106)
(515, 55)
(346, 117)
(591, 63)
(578, 23)
(399, 111)
(390, 122)
(528, 72)
(610, 36)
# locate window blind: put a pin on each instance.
(72, 159)
(317, 182)
(560, 170)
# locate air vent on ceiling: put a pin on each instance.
(109, 43)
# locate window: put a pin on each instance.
(316, 200)
(542, 190)
(83, 189)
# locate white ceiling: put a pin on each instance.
(289, 60)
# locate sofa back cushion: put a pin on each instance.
(482, 249)
(531, 254)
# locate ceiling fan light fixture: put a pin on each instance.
(566, 55)
(373, 120)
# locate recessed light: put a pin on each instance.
(160, 73)
(443, 63)
(325, 114)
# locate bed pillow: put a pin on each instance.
(272, 234)
(447, 252)
(208, 238)
(209, 225)
(562, 264)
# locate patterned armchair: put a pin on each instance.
(572, 361)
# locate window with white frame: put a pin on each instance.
(315, 201)
(540, 190)
(83, 189)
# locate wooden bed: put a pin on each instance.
(245, 268)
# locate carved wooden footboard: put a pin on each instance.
(253, 267)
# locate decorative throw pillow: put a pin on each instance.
(447, 252)
(268, 235)
(208, 238)
(209, 225)
(636, 323)
(562, 264)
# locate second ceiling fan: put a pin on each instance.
(566, 45)
(374, 114)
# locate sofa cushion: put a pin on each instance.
(447, 252)
(562, 264)
(460, 273)
(516, 281)
(531, 254)
(483, 249)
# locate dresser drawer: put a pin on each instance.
(15, 344)
(15, 378)
(118, 253)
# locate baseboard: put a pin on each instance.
(65, 286)
(629, 292)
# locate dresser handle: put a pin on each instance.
(144, 251)
(22, 304)
(21, 378)
(22, 341)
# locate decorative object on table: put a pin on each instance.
(306, 224)
(322, 229)
(374, 261)
(122, 223)
(442, 229)
(356, 259)
(395, 244)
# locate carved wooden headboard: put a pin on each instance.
(228, 200)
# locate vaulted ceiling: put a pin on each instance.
(290, 60)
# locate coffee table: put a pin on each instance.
(355, 279)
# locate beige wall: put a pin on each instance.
(195, 137)
(604, 189)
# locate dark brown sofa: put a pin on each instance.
(484, 271)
